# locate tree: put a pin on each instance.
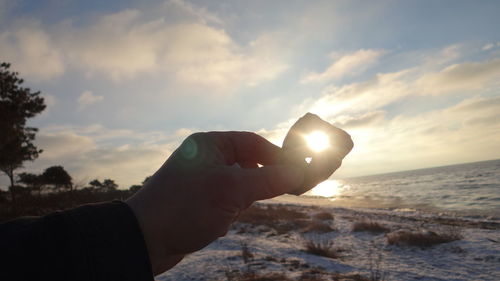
(109, 185)
(32, 181)
(134, 188)
(146, 179)
(17, 105)
(105, 186)
(57, 177)
(95, 184)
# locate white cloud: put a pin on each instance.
(443, 56)
(50, 102)
(32, 52)
(466, 131)
(99, 152)
(469, 76)
(347, 65)
(361, 97)
(65, 143)
(132, 42)
(488, 46)
(202, 55)
(387, 88)
(199, 13)
(368, 119)
(88, 98)
(477, 111)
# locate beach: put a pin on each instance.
(276, 241)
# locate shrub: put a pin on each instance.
(322, 248)
(317, 226)
(254, 276)
(323, 216)
(279, 218)
(256, 214)
(423, 238)
(370, 226)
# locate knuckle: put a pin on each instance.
(197, 135)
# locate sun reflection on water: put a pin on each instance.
(328, 188)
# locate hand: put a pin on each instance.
(199, 191)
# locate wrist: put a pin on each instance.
(159, 258)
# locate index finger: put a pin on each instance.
(245, 147)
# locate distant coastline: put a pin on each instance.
(419, 169)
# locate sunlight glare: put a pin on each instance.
(328, 188)
(317, 141)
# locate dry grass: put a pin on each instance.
(351, 277)
(254, 276)
(423, 238)
(280, 218)
(257, 214)
(311, 277)
(323, 216)
(318, 227)
(370, 226)
(306, 276)
(246, 254)
(377, 272)
(322, 248)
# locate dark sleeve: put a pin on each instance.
(90, 243)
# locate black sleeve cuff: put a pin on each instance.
(112, 242)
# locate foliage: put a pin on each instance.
(17, 105)
(31, 201)
(106, 185)
(324, 248)
(57, 177)
(369, 226)
(33, 182)
(280, 218)
(146, 180)
(318, 227)
(423, 238)
(323, 216)
(134, 188)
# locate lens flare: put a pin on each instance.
(317, 141)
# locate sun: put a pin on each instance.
(317, 141)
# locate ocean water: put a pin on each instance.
(465, 189)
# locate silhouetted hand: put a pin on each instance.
(199, 191)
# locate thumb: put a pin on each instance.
(268, 181)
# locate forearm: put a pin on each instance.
(92, 242)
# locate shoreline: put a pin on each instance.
(490, 215)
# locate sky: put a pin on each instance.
(416, 83)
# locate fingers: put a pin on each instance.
(321, 168)
(248, 165)
(267, 182)
(341, 141)
(244, 148)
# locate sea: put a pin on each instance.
(471, 189)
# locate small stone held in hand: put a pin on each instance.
(316, 146)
